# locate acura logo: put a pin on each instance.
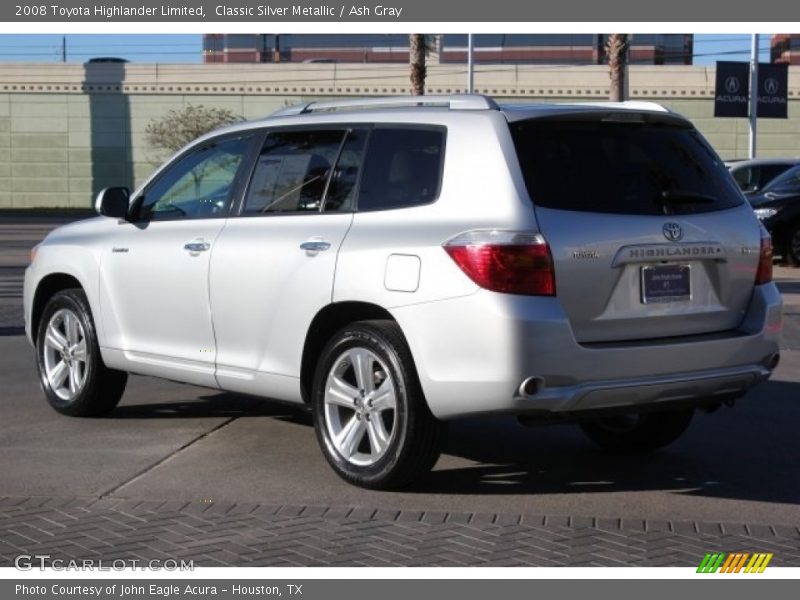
(771, 86)
(732, 85)
(672, 231)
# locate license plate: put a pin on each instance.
(666, 283)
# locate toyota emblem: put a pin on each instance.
(672, 231)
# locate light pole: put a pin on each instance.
(470, 65)
(753, 94)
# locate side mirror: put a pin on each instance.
(113, 202)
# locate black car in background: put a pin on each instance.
(778, 208)
(753, 175)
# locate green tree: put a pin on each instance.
(168, 134)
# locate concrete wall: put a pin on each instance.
(67, 131)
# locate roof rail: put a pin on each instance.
(627, 104)
(453, 102)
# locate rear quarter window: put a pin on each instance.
(402, 168)
(608, 166)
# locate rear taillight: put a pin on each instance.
(764, 273)
(505, 261)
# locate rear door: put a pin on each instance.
(650, 235)
(272, 267)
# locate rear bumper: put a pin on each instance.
(473, 353)
(699, 387)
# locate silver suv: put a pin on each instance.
(397, 263)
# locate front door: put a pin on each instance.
(154, 272)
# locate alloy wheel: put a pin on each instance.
(66, 360)
(360, 406)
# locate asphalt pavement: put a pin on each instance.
(171, 447)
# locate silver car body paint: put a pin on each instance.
(236, 316)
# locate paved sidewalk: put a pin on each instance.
(259, 535)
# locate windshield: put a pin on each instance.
(614, 166)
(786, 183)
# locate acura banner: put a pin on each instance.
(732, 90)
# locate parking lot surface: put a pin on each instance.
(230, 479)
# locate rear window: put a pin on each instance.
(608, 166)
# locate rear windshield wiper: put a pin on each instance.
(686, 197)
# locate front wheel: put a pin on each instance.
(370, 416)
(638, 432)
(72, 374)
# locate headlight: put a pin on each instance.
(765, 213)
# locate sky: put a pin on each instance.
(183, 48)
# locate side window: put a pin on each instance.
(402, 168)
(293, 172)
(745, 178)
(199, 185)
(788, 183)
(770, 172)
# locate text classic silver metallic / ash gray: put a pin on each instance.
(394, 263)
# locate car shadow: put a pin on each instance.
(217, 405)
(748, 453)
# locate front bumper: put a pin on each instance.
(27, 302)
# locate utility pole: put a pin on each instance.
(753, 94)
(63, 48)
(470, 65)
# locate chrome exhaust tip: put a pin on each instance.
(531, 386)
(773, 361)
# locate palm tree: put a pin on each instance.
(416, 51)
(617, 52)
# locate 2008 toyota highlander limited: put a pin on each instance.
(398, 262)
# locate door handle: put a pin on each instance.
(315, 245)
(196, 246)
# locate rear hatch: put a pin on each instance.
(650, 236)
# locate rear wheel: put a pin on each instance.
(72, 374)
(638, 432)
(370, 416)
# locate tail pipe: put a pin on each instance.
(531, 386)
(772, 361)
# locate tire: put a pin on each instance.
(638, 433)
(72, 374)
(393, 437)
(791, 249)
